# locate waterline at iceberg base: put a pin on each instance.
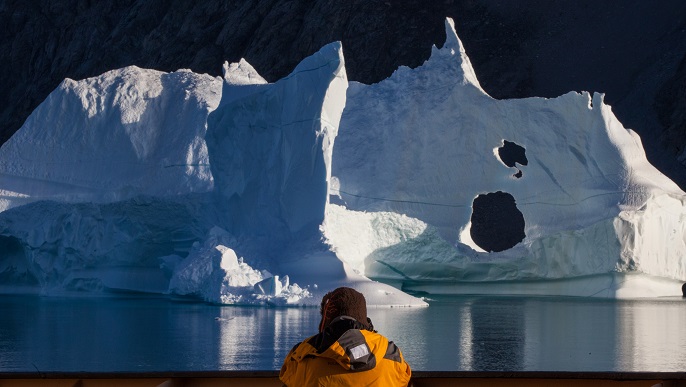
(608, 285)
(238, 191)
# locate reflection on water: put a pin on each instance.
(540, 334)
(584, 333)
(656, 336)
(259, 338)
(498, 334)
(455, 333)
(460, 333)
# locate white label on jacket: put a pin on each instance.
(359, 351)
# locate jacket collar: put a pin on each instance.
(334, 331)
(343, 340)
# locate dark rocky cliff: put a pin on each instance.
(632, 50)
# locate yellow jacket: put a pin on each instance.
(354, 357)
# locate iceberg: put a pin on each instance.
(183, 184)
(234, 190)
(527, 196)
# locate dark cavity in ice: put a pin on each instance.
(497, 223)
(512, 154)
(13, 257)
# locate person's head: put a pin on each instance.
(343, 302)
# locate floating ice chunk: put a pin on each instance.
(270, 286)
(214, 272)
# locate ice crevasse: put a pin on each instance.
(240, 191)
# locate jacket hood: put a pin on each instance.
(345, 343)
(345, 354)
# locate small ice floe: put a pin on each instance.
(271, 286)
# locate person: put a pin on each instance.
(347, 351)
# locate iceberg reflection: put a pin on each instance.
(139, 334)
(540, 334)
(651, 335)
(259, 338)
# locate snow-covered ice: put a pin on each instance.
(125, 181)
(126, 133)
(239, 191)
(425, 143)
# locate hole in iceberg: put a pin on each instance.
(511, 154)
(13, 266)
(497, 223)
(11, 247)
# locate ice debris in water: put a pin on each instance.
(213, 272)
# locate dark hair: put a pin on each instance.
(343, 302)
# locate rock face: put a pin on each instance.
(631, 50)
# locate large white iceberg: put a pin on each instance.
(592, 215)
(217, 188)
(119, 182)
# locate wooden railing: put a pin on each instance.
(270, 378)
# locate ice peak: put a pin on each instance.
(275, 164)
(452, 48)
(242, 73)
(451, 39)
(330, 56)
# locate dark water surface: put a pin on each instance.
(140, 334)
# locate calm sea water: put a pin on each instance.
(141, 334)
